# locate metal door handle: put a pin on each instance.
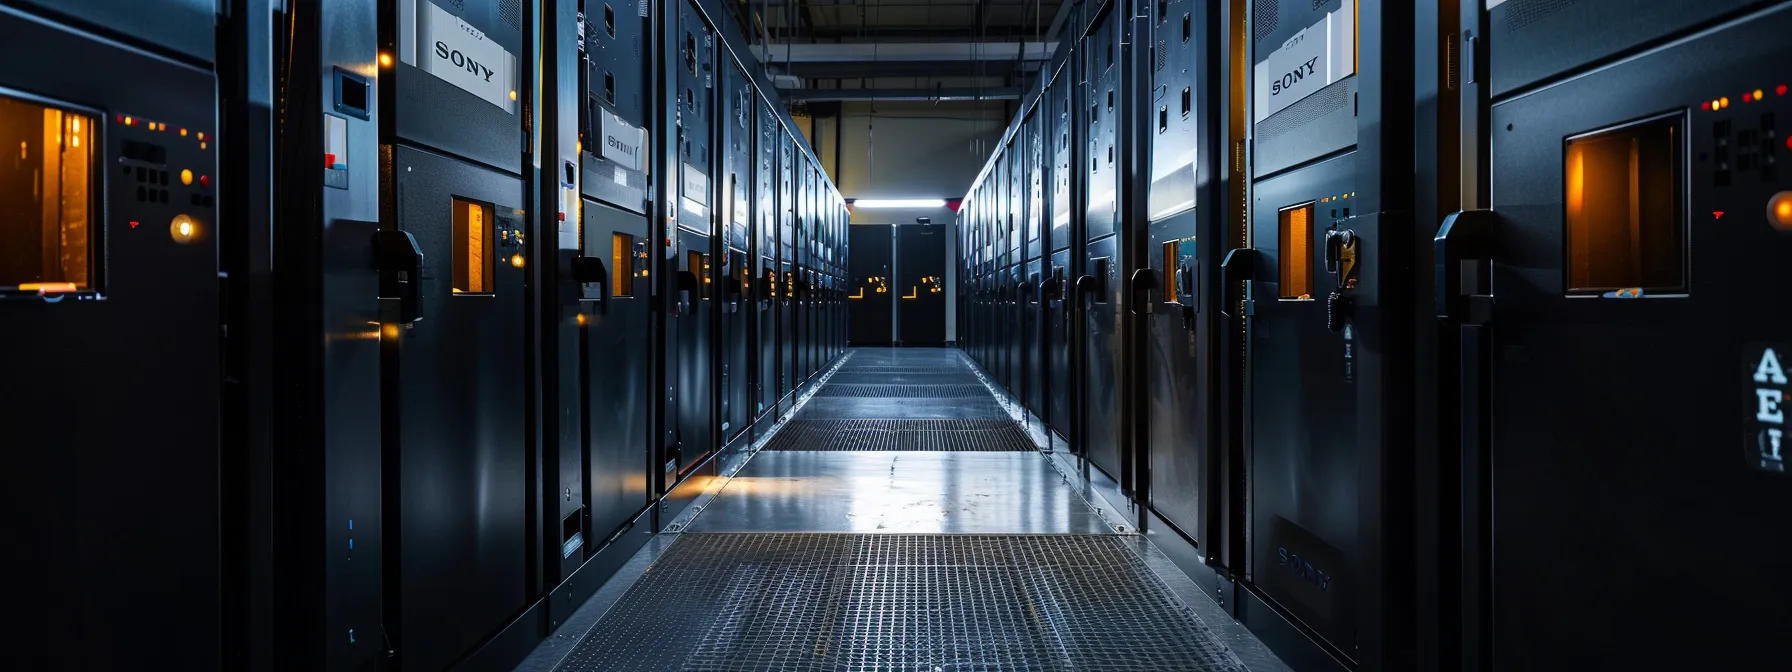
(1142, 283)
(1464, 235)
(400, 263)
(1237, 265)
(687, 289)
(591, 271)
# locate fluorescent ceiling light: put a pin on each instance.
(899, 203)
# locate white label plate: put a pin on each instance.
(1317, 56)
(621, 142)
(443, 45)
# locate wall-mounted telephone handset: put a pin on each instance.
(1340, 262)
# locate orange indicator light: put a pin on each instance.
(1779, 211)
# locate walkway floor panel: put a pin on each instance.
(900, 602)
(913, 434)
(899, 492)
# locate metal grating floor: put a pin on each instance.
(911, 434)
(845, 377)
(903, 391)
(959, 368)
(899, 602)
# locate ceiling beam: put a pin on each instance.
(1058, 20)
(906, 51)
(994, 93)
(876, 69)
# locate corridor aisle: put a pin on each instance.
(900, 520)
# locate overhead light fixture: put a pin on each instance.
(898, 203)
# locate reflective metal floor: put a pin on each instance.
(829, 550)
(899, 492)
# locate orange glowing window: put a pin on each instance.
(699, 266)
(49, 238)
(1172, 257)
(1622, 209)
(1296, 275)
(622, 264)
(474, 256)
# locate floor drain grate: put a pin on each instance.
(899, 602)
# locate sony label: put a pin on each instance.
(455, 52)
(621, 140)
(1312, 59)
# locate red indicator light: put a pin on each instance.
(1747, 98)
(329, 160)
(1705, 105)
(1779, 90)
(1789, 142)
(133, 223)
(562, 216)
(1717, 214)
(121, 118)
(205, 181)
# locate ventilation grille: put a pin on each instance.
(1326, 101)
(900, 602)
(512, 11)
(1521, 13)
(1163, 56)
(904, 391)
(1265, 15)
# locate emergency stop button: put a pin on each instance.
(1779, 211)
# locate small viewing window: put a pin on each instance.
(49, 237)
(1296, 278)
(475, 260)
(609, 20)
(622, 264)
(699, 265)
(1623, 206)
